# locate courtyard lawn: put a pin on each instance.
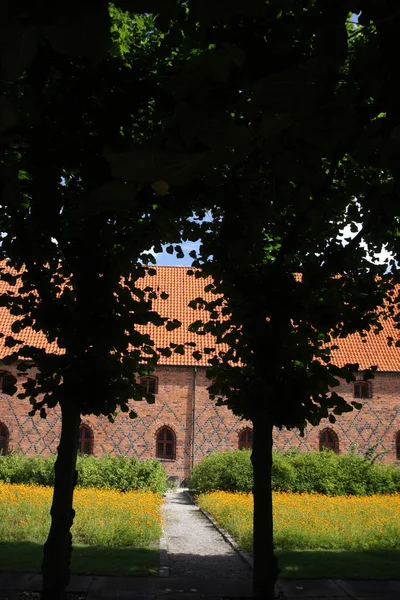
(114, 533)
(320, 536)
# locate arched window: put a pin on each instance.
(4, 436)
(166, 443)
(362, 389)
(246, 439)
(150, 383)
(5, 382)
(398, 445)
(329, 439)
(85, 440)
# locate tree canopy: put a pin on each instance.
(76, 241)
(281, 117)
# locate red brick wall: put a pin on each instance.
(215, 428)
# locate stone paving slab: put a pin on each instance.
(370, 589)
(382, 596)
(195, 587)
(15, 581)
(311, 588)
(117, 595)
(105, 587)
(152, 588)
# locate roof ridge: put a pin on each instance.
(171, 267)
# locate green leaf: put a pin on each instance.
(17, 49)
(165, 7)
(173, 324)
(357, 405)
(161, 188)
(147, 163)
(113, 195)
(10, 342)
(86, 34)
(8, 116)
(165, 352)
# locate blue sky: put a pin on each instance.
(167, 260)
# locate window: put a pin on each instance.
(362, 389)
(5, 382)
(85, 440)
(166, 443)
(246, 439)
(150, 383)
(3, 440)
(329, 439)
(398, 445)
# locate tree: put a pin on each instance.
(270, 103)
(275, 361)
(201, 127)
(286, 286)
(75, 243)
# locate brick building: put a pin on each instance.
(184, 425)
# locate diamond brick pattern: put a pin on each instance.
(213, 428)
(199, 426)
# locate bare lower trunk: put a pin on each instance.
(58, 547)
(265, 571)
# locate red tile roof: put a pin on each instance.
(369, 351)
(181, 288)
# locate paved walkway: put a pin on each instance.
(194, 546)
(24, 586)
(201, 566)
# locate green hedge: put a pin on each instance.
(229, 471)
(118, 472)
(294, 471)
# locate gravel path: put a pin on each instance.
(195, 548)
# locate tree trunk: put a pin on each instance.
(265, 569)
(58, 547)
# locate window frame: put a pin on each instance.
(4, 435)
(323, 444)
(82, 440)
(361, 384)
(164, 455)
(146, 379)
(246, 444)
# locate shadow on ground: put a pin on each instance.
(93, 560)
(333, 564)
(339, 564)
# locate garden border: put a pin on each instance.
(245, 556)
